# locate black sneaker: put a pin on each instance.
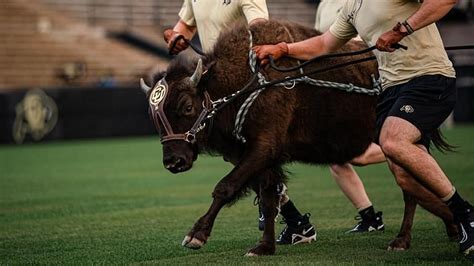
(303, 232)
(366, 225)
(466, 231)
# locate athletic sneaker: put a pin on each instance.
(466, 230)
(302, 232)
(368, 225)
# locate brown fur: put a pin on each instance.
(306, 124)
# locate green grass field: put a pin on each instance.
(112, 202)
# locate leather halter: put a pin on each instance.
(157, 102)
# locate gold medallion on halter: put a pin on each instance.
(158, 93)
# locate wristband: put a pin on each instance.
(408, 27)
(397, 29)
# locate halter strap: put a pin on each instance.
(157, 102)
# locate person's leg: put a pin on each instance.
(409, 114)
(298, 228)
(398, 140)
(351, 185)
(372, 155)
(410, 185)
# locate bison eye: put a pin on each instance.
(189, 110)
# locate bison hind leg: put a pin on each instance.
(268, 182)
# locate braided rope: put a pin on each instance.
(330, 84)
(244, 108)
(242, 114)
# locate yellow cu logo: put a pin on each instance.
(158, 94)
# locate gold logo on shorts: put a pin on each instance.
(407, 109)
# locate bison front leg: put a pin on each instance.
(227, 190)
(201, 230)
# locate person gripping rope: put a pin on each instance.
(208, 19)
(418, 91)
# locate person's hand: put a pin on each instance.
(276, 51)
(174, 47)
(387, 41)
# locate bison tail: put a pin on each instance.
(440, 142)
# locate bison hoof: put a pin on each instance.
(192, 243)
(395, 249)
(454, 238)
(399, 244)
(262, 249)
(452, 232)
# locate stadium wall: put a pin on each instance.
(81, 113)
(99, 112)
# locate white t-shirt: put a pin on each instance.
(212, 16)
(327, 13)
(371, 18)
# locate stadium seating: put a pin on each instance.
(64, 43)
(163, 13)
(42, 47)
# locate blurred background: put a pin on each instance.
(70, 68)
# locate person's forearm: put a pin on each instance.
(316, 46)
(430, 12)
(306, 49)
(184, 29)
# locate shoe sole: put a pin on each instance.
(469, 253)
(305, 239)
(364, 232)
(379, 229)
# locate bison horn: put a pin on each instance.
(144, 87)
(196, 77)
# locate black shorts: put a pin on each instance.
(425, 102)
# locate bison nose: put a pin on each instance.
(174, 162)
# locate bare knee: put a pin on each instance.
(397, 136)
(338, 170)
(360, 161)
(365, 159)
(391, 147)
(372, 155)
